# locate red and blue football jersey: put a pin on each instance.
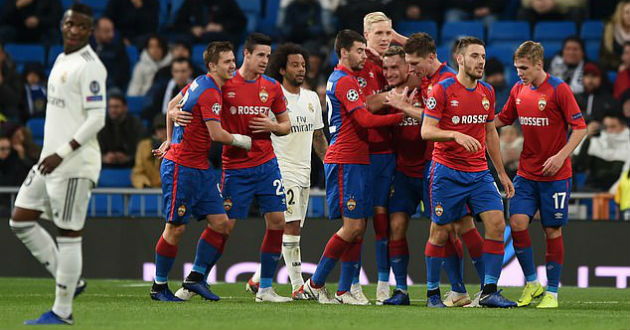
(545, 114)
(190, 144)
(372, 82)
(244, 100)
(443, 72)
(466, 111)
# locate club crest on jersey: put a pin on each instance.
(485, 102)
(181, 210)
(351, 204)
(439, 210)
(431, 103)
(362, 82)
(263, 95)
(227, 204)
(216, 108)
(352, 95)
(542, 103)
(310, 107)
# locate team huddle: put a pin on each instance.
(405, 129)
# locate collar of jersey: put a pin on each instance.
(237, 73)
(78, 51)
(532, 87)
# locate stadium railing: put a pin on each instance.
(131, 202)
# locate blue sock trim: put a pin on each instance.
(383, 277)
(199, 269)
(552, 289)
(531, 278)
(490, 279)
(265, 282)
(161, 278)
(433, 285)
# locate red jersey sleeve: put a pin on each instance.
(210, 102)
(568, 106)
(279, 104)
(436, 102)
(348, 93)
(509, 114)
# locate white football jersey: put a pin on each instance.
(294, 150)
(76, 85)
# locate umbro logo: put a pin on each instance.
(454, 103)
(518, 101)
(231, 95)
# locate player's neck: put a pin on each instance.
(466, 80)
(290, 87)
(248, 75)
(435, 66)
(346, 65)
(540, 79)
(69, 51)
(217, 80)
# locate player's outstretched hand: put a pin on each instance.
(468, 142)
(179, 117)
(401, 100)
(261, 124)
(552, 165)
(162, 150)
(49, 164)
(507, 184)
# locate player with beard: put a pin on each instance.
(459, 117)
(347, 169)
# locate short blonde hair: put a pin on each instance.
(374, 17)
(530, 50)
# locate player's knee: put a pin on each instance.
(397, 229)
(518, 224)
(553, 232)
(174, 232)
(292, 228)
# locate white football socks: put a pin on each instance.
(256, 276)
(68, 273)
(293, 259)
(38, 241)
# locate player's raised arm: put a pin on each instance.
(494, 151)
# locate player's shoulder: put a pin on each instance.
(487, 86)
(268, 80)
(447, 83)
(447, 72)
(90, 58)
(309, 94)
(557, 82)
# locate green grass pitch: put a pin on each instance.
(114, 304)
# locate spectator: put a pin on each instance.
(154, 56)
(301, 22)
(596, 100)
(511, 143)
(486, 11)
(551, 10)
(31, 21)
(622, 82)
(119, 138)
(163, 92)
(10, 87)
(146, 170)
(135, 19)
(22, 142)
(603, 156)
(201, 21)
(417, 10)
(616, 34)
(13, 171)
(178, 49)
(112, 53)
(495, 76)
(569, 64)
(34, 97)
(625, 106)
(316, 74)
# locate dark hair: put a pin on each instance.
(617, 115)
(183, 60)
(420, 44)
(161, 42)
(214, 49)
(184, 44)
(117, 96)
(464, 42)
(280, 57)
(82, 8)
(574, 38)
(345, 39)
(494, 66)
(255, 39)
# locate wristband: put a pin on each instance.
(242, 141)
(64, 150)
